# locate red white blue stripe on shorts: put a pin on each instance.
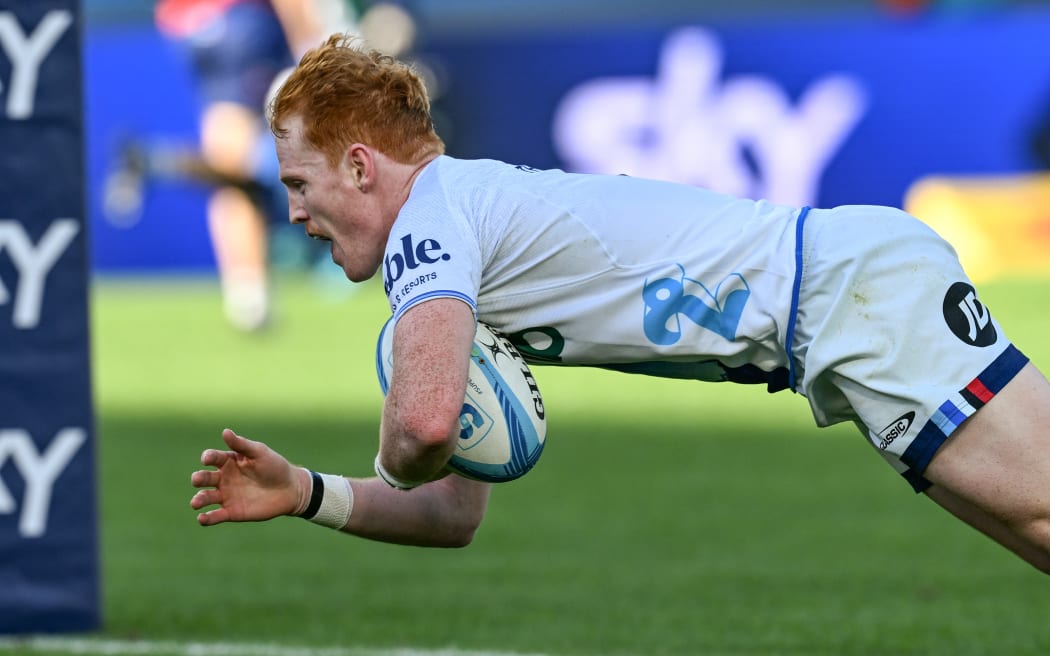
(956, 410)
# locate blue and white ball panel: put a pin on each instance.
(503, 424)
(475, 424)
(503, 458)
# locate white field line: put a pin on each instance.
(101, 647)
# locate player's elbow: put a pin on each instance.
(434, 437)
(431, 430)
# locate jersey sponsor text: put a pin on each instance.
(410, 257)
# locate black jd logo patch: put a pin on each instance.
(968, 318)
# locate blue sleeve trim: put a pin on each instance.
(438, 293)
(954, 411)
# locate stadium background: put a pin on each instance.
(505, 71)
(788, 546)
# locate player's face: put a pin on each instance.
(329, 204)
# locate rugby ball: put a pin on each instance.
(503, 425)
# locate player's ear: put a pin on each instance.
(361, 164)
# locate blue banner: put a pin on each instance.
(809, 110)
(48, 537)
(813, 109)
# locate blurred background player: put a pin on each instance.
(235, 49)
(238, 52)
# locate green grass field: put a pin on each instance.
(665, 517)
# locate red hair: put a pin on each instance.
(346, 94)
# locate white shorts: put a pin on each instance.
(890, 334)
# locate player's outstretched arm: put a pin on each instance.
(252, 482)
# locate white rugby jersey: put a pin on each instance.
(626, 273)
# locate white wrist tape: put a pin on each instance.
(389, 479)
(331, 501)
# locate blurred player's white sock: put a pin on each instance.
(247, 303)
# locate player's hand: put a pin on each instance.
(250, 483)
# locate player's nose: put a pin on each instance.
(296, 212)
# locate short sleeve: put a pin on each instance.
(431, 253)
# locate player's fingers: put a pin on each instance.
(205, 478)
(208, 497)
(214, 457)
(242, 445)
(213, 517)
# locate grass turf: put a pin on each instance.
(665, 517)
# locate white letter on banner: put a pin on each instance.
(33, 265)
(39, 471)
(27, 54)
(688, 125)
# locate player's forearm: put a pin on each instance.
(443, 513)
